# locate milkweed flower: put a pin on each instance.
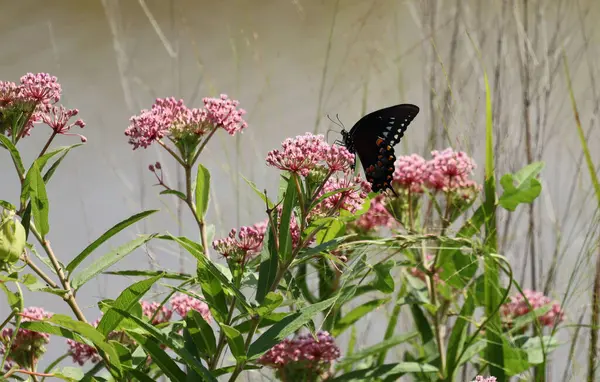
(377, 216)
(410, 172)
(481, 378)
(150, 308)
(449, 170)
(304, 356)
(169, 117)
(182, 304)
(28, 345)
(518, 307)
(243, 244)
(350, 200)
(298, 155)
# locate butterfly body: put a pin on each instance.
(373, 138)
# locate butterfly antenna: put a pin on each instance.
(340, 122)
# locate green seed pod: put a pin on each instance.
(12, 238)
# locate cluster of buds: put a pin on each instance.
(28, 346)
(519, 306)
(170, 118)
(34, 100)
(305, 357)
(180, 303)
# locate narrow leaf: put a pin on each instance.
(39, 199)
(159, 356)
(235, 341)
(356, 314)
(202, 191)
(105, 236)
(126, 301)
(201, 333)
(107, 260)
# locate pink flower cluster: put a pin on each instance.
(170, 117)
(447, 171)
(28, 345)
(350, 200)
(376, 216)
(518, 307)
(42, 91)
(81, 353)
(306, 152)
(481, 378)
(150, 308)
(303, 351)
(410, 172)
(182, 304)
(247, 244)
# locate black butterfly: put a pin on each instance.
(373, 138)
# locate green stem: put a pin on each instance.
(8, 346)
(48, 143)
(39, 272)
(69, 296)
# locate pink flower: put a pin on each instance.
(8, 92)
(155, 123)
(449, 170)
(303, 352)
(182, 304)
(40, 88)
(170, 117)
(81, 353)
(481, 378)
(518, 307)
(58, 118)
(298, 155)
(28, 346)
(149, 308)
(338, 158)
(222, 112)
(376, 216)
(410, 172)
(349, 200)
(247, 243)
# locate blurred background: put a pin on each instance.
(290, 63)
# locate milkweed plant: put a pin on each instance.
(288, 295)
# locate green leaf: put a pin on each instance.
(105, 236)
(89, 332)
(269, 265)
(68, 373)
(201, 333)
(385, 372)
(39, 199)
(522, 187)
(179, 194)
(356, 314)
(126, 301)
(459, 334)
(270, 303)
(373, 351)
(196, 250)
(287, 326)
(334, 229)
(202, 191)
(107, 260)
(384, 282)
(190, 360)
(285, 236)
(159, 357)
(235, 341)
(166, 275)
(262, 195)
(14, 153)
(535, 351)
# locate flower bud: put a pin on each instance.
(12, 238)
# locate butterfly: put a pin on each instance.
(373, 138)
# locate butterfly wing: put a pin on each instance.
(373, 138)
